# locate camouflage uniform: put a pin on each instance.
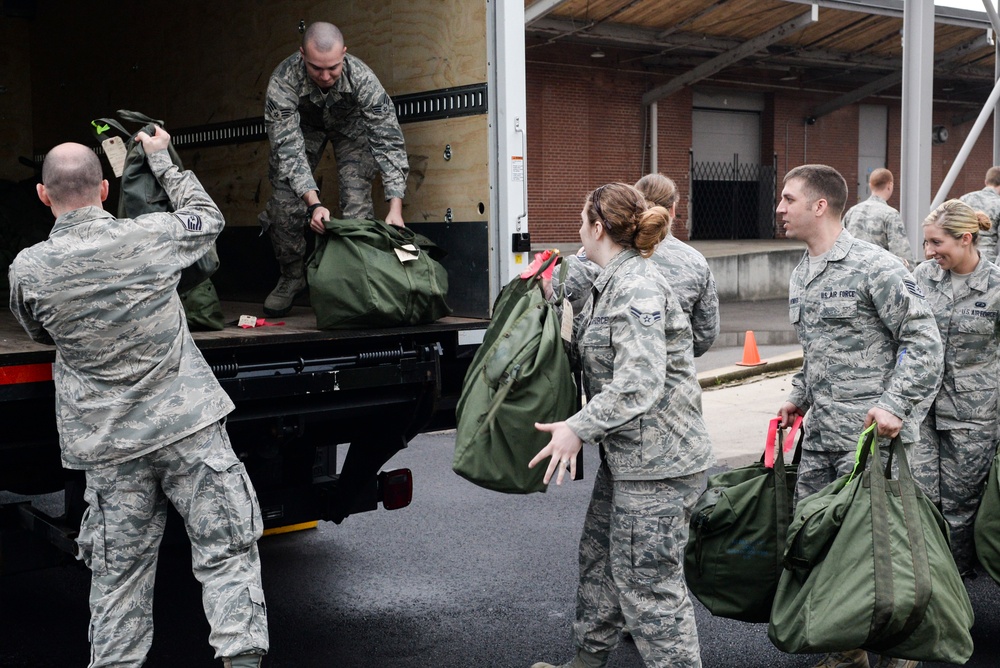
(644, 410)
(688, 274)
(139, 409)
(357, 117)
(878, 223)
(869, 339)
(958, 438)
(988, 201)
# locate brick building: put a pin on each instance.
(587, 123)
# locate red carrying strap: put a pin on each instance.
(772, 437)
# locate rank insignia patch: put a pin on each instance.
(646, 319)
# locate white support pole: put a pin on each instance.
(996, 110)
(970, 142)
(995, 21)
(654, 143)
(918, 84)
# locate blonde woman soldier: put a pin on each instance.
(644, 412)
(958, 438)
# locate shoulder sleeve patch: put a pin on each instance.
(913, 288)
(647, 319)
(191, 221)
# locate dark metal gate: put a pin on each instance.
(730, 200)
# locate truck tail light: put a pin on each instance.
(395, 488)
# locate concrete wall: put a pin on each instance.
(754, 276)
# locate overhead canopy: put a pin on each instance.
(853, 50)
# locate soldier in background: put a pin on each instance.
(137, 407)
(684, 267)
(644, 410)
(871, 348)
(958, 438)
(876, 222)
(317, 95)
(987, 200)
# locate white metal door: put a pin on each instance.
(718, 135)
(873, 126)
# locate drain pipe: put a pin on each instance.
(653, 139)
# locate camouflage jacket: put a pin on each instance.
(684, 268)
(644, 400)
(128, 376)
(988, 201)
(876, 222)
(356, 106)
(869, 339)
(969, 323)
(688, 273)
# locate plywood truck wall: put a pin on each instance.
(198, 63)
(15, 99)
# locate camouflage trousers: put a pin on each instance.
(285, 217)
(951, 466)
(631, 569)
(120, 537)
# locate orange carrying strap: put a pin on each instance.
(772, 435)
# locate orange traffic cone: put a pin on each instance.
(750, 355)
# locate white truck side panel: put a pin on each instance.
(508, 140)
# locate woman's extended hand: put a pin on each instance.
(562, 448)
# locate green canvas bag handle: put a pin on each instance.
(879, 481)
(782, 505)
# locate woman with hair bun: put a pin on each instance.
(958, 438)
(643, 409)
(685, 268)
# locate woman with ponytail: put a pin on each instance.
(685, 268)
(643, 410)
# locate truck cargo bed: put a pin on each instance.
(299, 326)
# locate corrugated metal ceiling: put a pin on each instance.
(853, 42)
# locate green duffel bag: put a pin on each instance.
(202, 307)
(987, 527)
(733, 557)
(868, 566)
(367, 273)
(520, 375)
(141, 191)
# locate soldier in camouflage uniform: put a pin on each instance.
(685, 268)
(137, 407)
(987, 200)
(876, 222)
(872, 352)
(317, 95)
(644, 411)
(958, 438)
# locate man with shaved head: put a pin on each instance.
(319, 95)
(137, 407)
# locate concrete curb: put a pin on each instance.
(729, 374)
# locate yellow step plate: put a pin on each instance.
(290, 528)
